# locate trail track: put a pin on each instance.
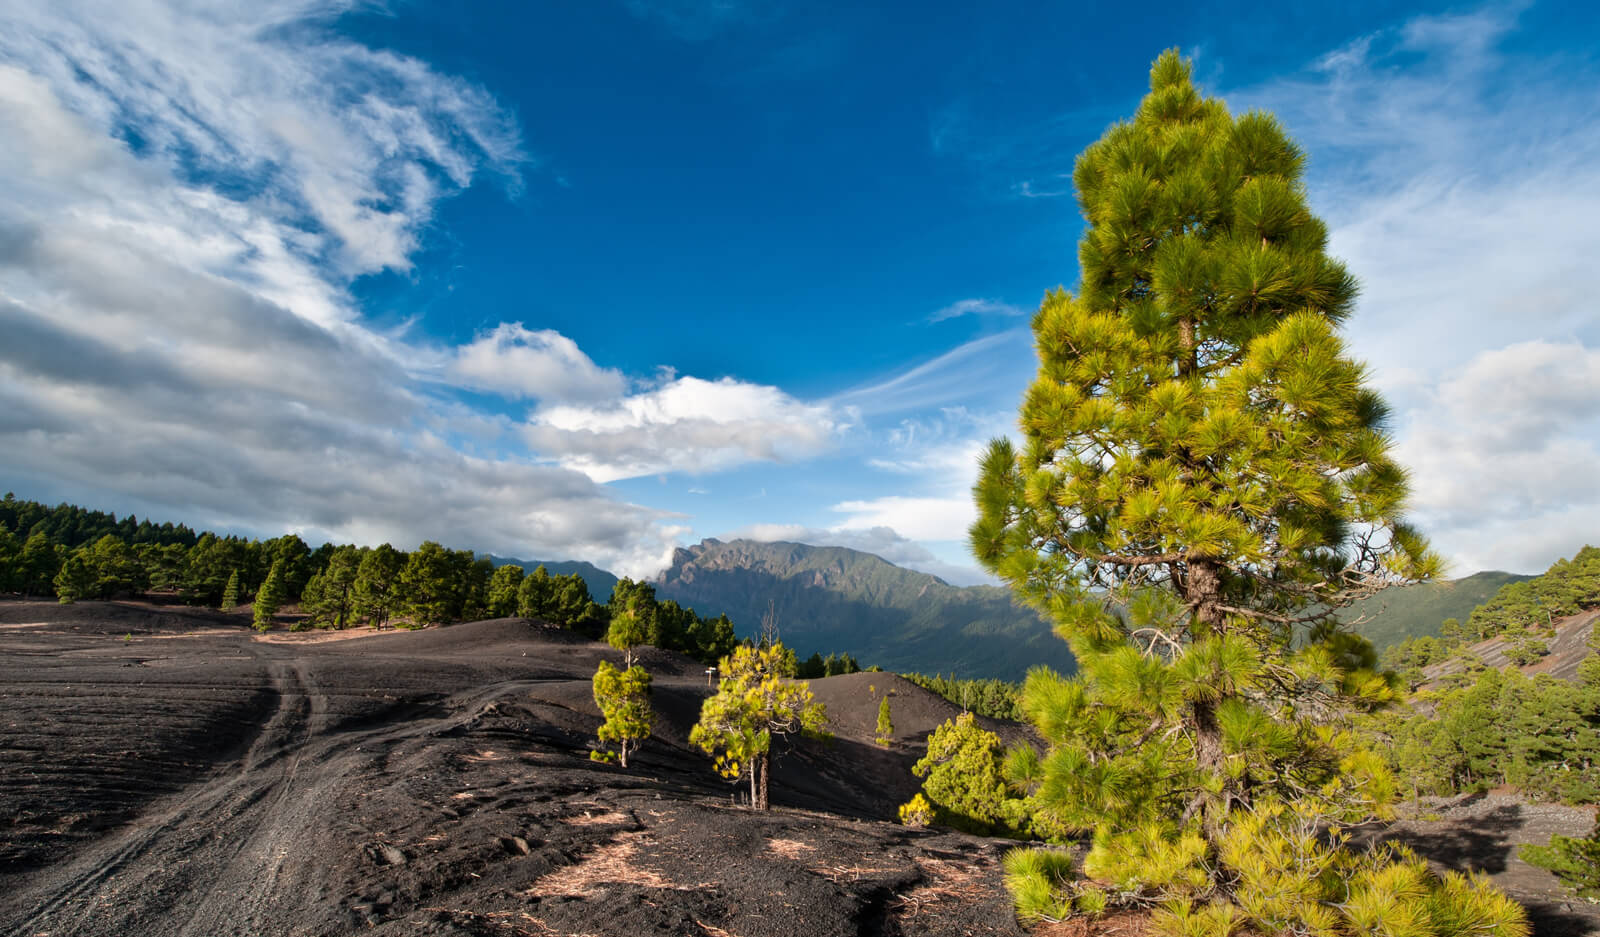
(176, 776)
(167, 773)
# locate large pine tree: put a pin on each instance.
(1205, 479)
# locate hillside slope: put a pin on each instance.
(835, 599)
(1417, 611)
(599, 581)
(1566, 650)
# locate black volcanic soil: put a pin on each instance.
(168, 772)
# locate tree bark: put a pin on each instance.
(758, 781)
(1202, 590)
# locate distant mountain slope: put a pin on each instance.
(1566, 650)
(599, 581)
(837, 599)
(1417, 611)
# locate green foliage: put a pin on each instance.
(833, 665)
(997, 699)
(916, 811)
(629, 628)
(378, 594)
(1040, 881)
(503, 589)
(331, 593)
(624, 700)
(885, 728)
(269, 598)
(712, 639)
(1567, 587)
(754, 702)
(230, 592)
(1287, 874)
(1575, 861)
(75, 580)
(964, 779)
(1201, 454)
(1539, 734)
(563, 601)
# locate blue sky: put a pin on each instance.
(595, 280)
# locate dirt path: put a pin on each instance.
(186, 780)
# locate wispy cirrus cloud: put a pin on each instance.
(1461, 181)
(187, 192)
(977, 307)
(977, 372)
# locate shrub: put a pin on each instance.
(916, 811)
(1575, 861)
(1039, 880)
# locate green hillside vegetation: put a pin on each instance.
(837, 599)
(1523, 611)
(599, 581)
(1480, 727)
(1484, 728)
(1420, 609)
(72, 553)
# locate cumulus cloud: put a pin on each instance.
(1503, 458)
(517, 362)
(1478, 313)
(186, 193)
(685, 424)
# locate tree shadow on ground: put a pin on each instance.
(1483, 843)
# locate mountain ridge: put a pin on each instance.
(835, 599)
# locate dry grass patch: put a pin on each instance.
(790, 848)
(611, 864)
(590, 818)
(946, 881)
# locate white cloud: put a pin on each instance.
(977, 307)
(685, 424)
(186, 193)
(1461, 181)
(1503, 458)
(516, 362)
(884, 542)
(924, 518)
(980, 372)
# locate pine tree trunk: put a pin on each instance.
(1202, 589)
(759, 779)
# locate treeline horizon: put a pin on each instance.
(69, 553)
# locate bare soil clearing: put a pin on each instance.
(166, 772)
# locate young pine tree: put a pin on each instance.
(230, 592)
(1200, 451)
(629, 629)
(885, 733)
(755, 701)
(270, 597)
(624, 699)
